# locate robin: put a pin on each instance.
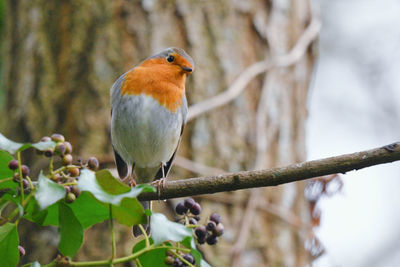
(148, 114)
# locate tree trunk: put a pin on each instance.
(61, 57)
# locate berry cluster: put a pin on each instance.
(14, 165)
(66, 175)
(176, 261)
(204, 233)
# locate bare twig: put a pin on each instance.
(252, 71)
(276, 176)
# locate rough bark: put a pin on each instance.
(61, 57)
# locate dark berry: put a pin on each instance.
(201, 241)
(68, 189)
(189, 257)
(192, 221)
(211, 226)
(21, 251)
(73, 171)
(25, 170)
(169, 260)
(49, 152)
(67, 159)
(201, 232)
(177, 263)
(75, 190)
(215, 218)
(93, 163)
(196, 209)
(57, 138)
(13, 165)
(180, 208)
(57, 177)
(25, 183)
(16, 177)
(197, 217)
(45, 139)
(68, 147)
(212, 240)
(219, 230)
(70, 197)
(60, 149)
(189, 202)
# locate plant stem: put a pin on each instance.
(126, 258)
(6, 179)
(138, 263)
(21, 185)
(16, 210)
(30, 183)
(145, 235)
(51, 165)
(113, 244)
(70, 183)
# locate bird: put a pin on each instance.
(148, 115)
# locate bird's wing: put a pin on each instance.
(122, 167)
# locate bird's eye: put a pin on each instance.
(170, 58)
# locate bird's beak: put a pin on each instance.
(187, 69)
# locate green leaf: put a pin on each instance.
(12, 147)
(130, 212)
(9, 241)
(88, 210)
(153, 257)
(5, 172)
(48, 192)
(71, 231)
(42, 146)
(48, 216)
(163, 229)
(8, 145)
(110, 184)
(89, 182)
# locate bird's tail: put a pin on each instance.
(136, 229)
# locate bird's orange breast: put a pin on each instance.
(165, 83)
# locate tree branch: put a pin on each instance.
(276, 176)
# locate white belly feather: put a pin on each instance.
(143, 132)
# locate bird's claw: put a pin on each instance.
(159, 184)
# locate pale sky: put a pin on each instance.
(354, 105)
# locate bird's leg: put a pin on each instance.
(133, 181)
(160, 183)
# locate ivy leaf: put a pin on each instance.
(45, 217)
(9, 241)
(8, 145)
(154, 257)
(88, 210)
(71, 231)
(5, 172)
(103, 186)
(48, 192)
(12, 147)
(110, 184)
(108, 189)
(130, 212)
(163, 229)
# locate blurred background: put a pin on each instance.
(319, 92)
